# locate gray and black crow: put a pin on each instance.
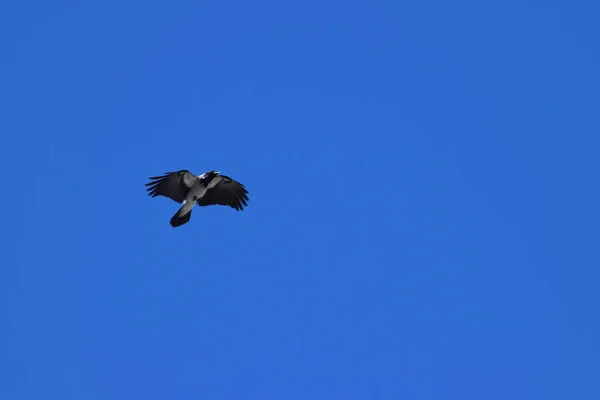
(207, 189)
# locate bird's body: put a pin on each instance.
(210, 188)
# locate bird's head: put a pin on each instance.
(209, 175)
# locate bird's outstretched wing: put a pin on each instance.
(173, 185)
(223, 190)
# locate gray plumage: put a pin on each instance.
(207, 189)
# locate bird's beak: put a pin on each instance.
(217, 172)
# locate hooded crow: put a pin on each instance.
(207, 189)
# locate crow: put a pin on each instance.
(207, 189)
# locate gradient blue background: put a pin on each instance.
(424, 214)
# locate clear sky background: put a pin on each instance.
(424, 203)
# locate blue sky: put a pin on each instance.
(423, 219)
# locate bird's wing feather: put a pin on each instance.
(173, 185)
(223, 190)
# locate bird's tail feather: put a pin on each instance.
(180, 218)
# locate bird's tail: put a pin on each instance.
(181, 217)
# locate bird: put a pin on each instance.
(209, 188)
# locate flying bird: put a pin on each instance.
(207, 189)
